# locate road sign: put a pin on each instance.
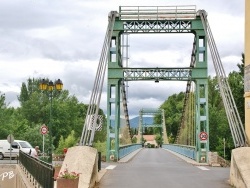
(203, 136)
(44, 129)
(10, 138)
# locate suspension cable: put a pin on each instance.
(189, 82)
(93, 108)
(235, 124)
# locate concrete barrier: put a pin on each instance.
(84, 160)
(240, 168)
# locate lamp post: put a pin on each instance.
(50, 87)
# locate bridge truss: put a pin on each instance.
(153, 20)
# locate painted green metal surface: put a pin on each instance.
(142, 125)
(140, 21)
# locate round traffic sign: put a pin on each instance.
(10, 138)
(44, 129)
(203, 136)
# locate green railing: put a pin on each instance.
(127, 149)
(188, 151)
(41, 171)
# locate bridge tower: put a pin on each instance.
(153, 20)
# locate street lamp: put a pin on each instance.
(50, 87)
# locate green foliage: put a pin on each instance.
(70, 141)
(173, 110)
(125, 138)
(101, 147)
(61, 146)
(159, 139)
(236, 82)
(134, 140)
(68, 115)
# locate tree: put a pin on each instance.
(159, 139)
(173, 110)
(6, 118)
(70, 141)
(236, 82)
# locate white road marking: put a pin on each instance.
(110, 167)
(202, 168)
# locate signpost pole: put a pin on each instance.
(10, 153)
(43, 145)
(10, 139)
(43, 130)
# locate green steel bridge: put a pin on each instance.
(132, 20)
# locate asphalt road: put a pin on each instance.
(158, 168)
(8, 161)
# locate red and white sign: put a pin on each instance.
(44, 129)
(203, 136)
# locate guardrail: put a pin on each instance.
(40, 172)
(157, 12)
(188, 151)
(127, 149)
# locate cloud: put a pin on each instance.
(64, 38)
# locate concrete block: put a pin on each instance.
(240, 167)
(84, 160)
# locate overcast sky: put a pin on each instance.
(63, 39)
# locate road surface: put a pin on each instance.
(158, 168)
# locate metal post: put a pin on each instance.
(43, 146)
(99, 161)
(224, 141)
(50, 131)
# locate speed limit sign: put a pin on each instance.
(203, 136)
(44, 129)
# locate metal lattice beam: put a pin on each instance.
(163, 73)
(157, 26)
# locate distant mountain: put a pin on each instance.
(134, 123)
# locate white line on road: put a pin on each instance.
(110, 167)
(202, 168)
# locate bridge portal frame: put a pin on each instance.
(148, 111)
(168, 20)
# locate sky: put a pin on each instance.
(64, 38)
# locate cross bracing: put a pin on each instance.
(157, 26)
(150, 111)
(152, 125)
(162, 73)
(181, 74)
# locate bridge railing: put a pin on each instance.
(157, 12)
(188, 151)
(39, 172)
(127, 149)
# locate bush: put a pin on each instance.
(101, 147)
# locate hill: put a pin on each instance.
(134, 122)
